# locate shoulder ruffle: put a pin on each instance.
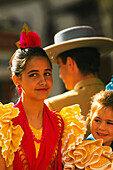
(76, 152)
(74, 128)
(91, 155)
(10, 135)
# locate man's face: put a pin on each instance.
(64, 74)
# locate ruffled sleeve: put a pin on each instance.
(76, 152)
(91, 155)
(10, 135)
(74, 128)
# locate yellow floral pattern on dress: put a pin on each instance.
(84, 154)
(10, 135)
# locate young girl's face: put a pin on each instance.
(102, 125)
(36, 80)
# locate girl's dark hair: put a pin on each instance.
(86, 58)
(22, 56)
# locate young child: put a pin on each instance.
(101, 117)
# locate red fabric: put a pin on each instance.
(47, 147)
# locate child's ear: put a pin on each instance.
(16, 80)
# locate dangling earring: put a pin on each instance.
(19, 90)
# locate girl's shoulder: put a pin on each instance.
(74, 127)
(9, 133)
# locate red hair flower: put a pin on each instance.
(28, 38)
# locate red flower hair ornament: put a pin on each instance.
(28, 38)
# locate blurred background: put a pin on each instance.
(47, 17)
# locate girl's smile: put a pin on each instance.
(42, 89)
(102, 125)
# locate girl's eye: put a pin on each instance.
(109, 123)
(47, 74)
(33, 75)
(96, 120)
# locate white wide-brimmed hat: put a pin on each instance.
(77, 37)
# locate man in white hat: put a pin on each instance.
(77, 51)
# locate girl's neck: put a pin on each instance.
(33, 108)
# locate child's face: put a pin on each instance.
(102, 125)
(36, 80)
